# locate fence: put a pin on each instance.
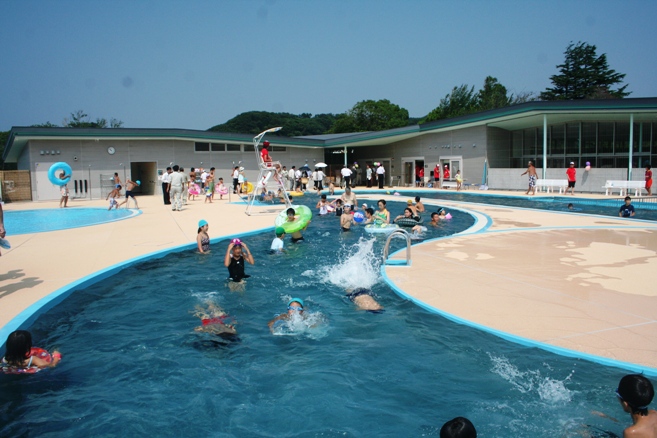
(16, 185)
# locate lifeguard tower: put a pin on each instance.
(270, 182)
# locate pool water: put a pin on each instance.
(133, 365)
(37, 221)
(602, 207)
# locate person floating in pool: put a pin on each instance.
(214, 321)
(22, 358)
(296, 236)
(531, 173)
(64, 190)
(408, 214)
(369, 216)
(202, 237)
(435, 219)
(130, 185)
(294, 310)
(363, 298)
(237, 253)
(113, 197)
(626, 210)
(459, 427)
(635, 393)
(277, 245)
(382, 215)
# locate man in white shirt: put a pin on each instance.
(319, 178)
(297, 179)
(236, 176)
(291, 176)
(204, 177)
(166, 179)
(346, 175)
(381, 175)
(175, 188)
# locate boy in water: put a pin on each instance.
(347, 218)
(295, 305)
(626, 210)
(277, 243)
(112, 197)
(635, 393)
(213, 321)
(296, 236)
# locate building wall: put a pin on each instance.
(592, 181)
(89, 159)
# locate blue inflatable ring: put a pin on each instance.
(54, 170)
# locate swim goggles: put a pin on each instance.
(300, 309)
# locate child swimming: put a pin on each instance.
(22, 358)
(214, 321)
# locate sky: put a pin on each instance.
(195, 64)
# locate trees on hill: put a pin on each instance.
(254, 122)
(80, 119)
(584, 75)
(370, 115)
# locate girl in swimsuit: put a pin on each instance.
(202, 237)
(214, 321)
(22, 358)
(382, 216)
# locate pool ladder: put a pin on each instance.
(386, 248)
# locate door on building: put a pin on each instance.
(146, 173)
(410, 167)
(454, 164)
(389, 176)
(78, 186)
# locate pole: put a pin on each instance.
(544, 145)
(629, 165)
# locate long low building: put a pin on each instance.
(490, 148)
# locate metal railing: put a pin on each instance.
(386, 248)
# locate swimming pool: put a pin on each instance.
(133, 364)
(38, 221)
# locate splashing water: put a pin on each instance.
(311, 325)
(548, 389)
(358, 267)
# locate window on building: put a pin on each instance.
(249, 148)
(201, 147)
(556, 139)
(529, 142)
(572, 139)
(278, 149)
(217, 147)
(605, 138)
(589, 138)
(622, 138)
(233, 148)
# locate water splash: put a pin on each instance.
(532, 381)
(313, 325)
(358, 267)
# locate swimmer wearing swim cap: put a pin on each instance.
(294, 307)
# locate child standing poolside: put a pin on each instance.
(22, 358)
(208, 193)
(221, 188)
(459, 180)
(635, 393)
(202, 237)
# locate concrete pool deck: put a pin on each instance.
(575, 283)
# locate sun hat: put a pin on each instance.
(202, 223)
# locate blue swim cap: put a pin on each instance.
(202, 222)
(138, 182)
(296, 300)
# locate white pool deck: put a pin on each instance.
(574, 284)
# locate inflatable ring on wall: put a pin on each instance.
(54, 171)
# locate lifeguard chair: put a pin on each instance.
(269, 178)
